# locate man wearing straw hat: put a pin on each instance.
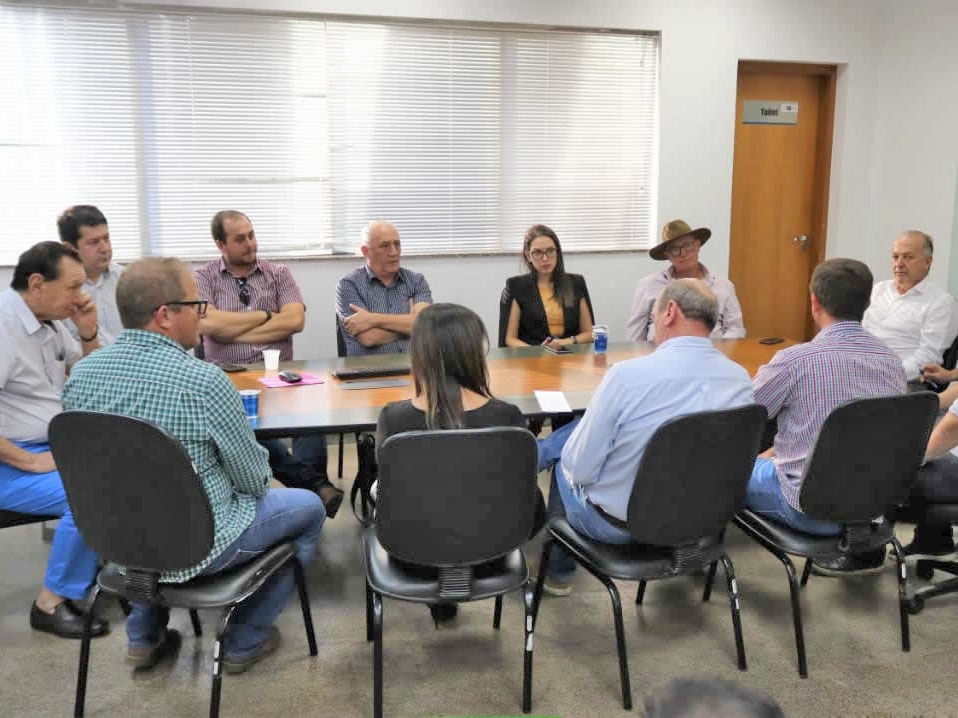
(680, 244)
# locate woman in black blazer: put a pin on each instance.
(545, 306)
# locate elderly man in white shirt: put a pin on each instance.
(916, 318)
(84, 228)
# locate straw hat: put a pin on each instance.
(677, 229)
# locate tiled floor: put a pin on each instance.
(855, 662)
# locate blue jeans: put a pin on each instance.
(72, 565)
(764, 497)
(570, 501)
(305, 468)
(281, 515)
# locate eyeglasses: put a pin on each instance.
(676, 249)
(200, 305)
(242, 283)
(543, 253)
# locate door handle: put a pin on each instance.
(801, 240)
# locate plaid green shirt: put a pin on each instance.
(148, 376)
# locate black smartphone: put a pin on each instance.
(557, 348)
(232, 367)
(771, 340)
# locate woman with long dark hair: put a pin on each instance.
(448, 354)
(546, 305)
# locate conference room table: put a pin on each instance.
(514, 374)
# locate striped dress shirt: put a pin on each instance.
(270, 287)
(148, 376)
(803, 384)
(364, 289)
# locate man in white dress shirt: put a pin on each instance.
(916, 318)
(84, 228)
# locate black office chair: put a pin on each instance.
(126, 480)
(689, 484)
(341, 352)
(453, 511)
(864, 462)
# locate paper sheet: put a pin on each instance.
(553, 401)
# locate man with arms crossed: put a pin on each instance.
(256, 305)
(912, 315)
(803, 384)
(84, 228)
(195, 402)
(601, 452)
(377, 304)
(37, 353)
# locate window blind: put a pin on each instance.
(462, 135)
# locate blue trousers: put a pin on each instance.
(305, 468)
(72, 566)
(570, 501)
(293, 515)
(764, 497)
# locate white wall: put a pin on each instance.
(889, 159)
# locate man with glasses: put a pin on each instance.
(256, 305)
(680, 244)
(195, 402)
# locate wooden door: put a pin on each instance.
(780, 193)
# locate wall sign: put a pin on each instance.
(770, 112)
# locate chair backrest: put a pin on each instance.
(950, 359)
(693, 475)
(340, 341)
(866, 457)
(133, 490)
(505, 305)
(456, 497)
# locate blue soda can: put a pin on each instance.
(600, 339)
(250, 402)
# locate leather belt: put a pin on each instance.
(618, 523)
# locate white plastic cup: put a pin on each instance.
(271, 359)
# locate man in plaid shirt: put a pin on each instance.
(256, 305)
(148, 374)
(803, 384)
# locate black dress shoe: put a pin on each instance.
(846, 564)
(66, 621)
(331, 497)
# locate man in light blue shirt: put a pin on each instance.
(600, 453)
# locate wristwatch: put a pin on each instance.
(96, 330)
(269, 315)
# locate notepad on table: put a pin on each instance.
(553, 402)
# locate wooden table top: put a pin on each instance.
(515, 373)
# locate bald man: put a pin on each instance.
(600, 453)
(916, 318)
(377, 304)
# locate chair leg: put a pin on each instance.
(304, 604)
(709, 580)
(218, 661)
(341, 444)
(902, 594)
(84, 662)
(195, 620)
(497, 614)
(369, 612)
(543, 568)
(527, 600)
(806, 572)
(377, 655)
(736, 615)
(793, 588)
(620, 643)
(640, 594)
